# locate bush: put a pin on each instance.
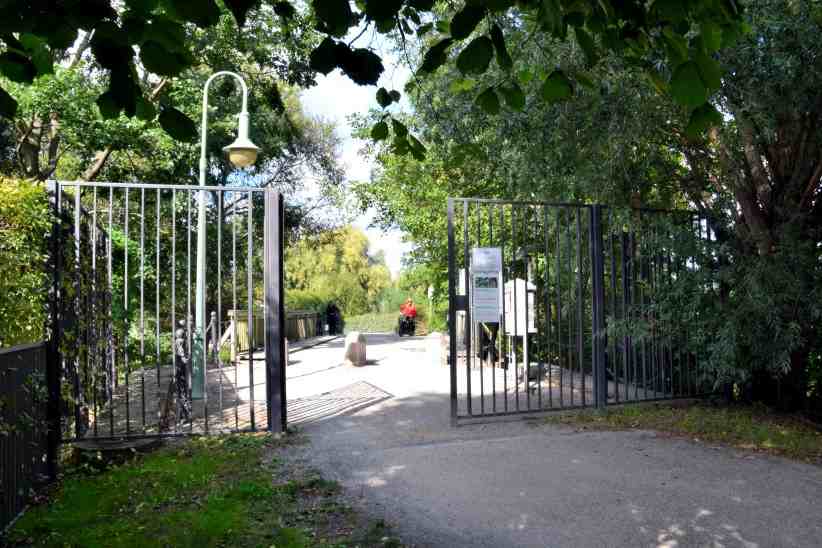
(25, 222)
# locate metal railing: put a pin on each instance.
(23, 433)
(130, 356)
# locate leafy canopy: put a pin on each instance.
(134, 37)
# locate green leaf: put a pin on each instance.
(503, 58)
(284, 10)
(525, 76)
(399, 128)
(514, 96)
(417, 148)
(239, 9)
(462, 85)
(326, 57)
(395, 95)
(588, 46)
(711, 35)
(170, 34)
(379, 131)
(161, 61)
(466, 20)
(17, 67)
(421, 5)
(585, 80)
(687, 87)
(40, 53)
(108, 105)
(489, 101)
(709, 71)
(363, 66)
(335, 15)
(8, 106)
(383, 98)
(670, 10)
(550, 14)
(203, 13)
(424, 29)
(179, 126)
(145, 110)
(703, 119)
(557, 87)
(476, 56)
(436, 56)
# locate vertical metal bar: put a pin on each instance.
(250, 304)
(189, 319)
(580, 351)
(112, 368)
(478, 215)
(600, 379)
(613, 357)
(54, 359)
(95, 313)
(452, 311)
(174, 364)
(142, 306)
(571, 330)
(468, 331)
(514, 305)
(559, 306)
(126, 326)
(274, 312)
(547, 292)
(526, 355)
(235, 313)
(219, 328)
(503, 336)
(643, 298)
(627, 350)
(78, 313)
(492, 345)
(157, 292)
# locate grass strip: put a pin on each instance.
(212, 491)
(749, 427)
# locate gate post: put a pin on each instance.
(53, 358)
(598, 308)
(452, 312)
(274, 312)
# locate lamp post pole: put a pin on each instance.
(242, 144)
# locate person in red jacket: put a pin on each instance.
(408, 315)
(408, 308)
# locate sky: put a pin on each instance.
(334, 98)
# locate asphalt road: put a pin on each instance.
(383, 431)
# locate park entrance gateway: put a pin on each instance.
(126, 358)
(560, 306)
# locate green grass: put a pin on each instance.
(753, 428)
(373, 322)
(216, 491)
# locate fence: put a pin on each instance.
(572, 305)
(133, 361)
(23, 436)
(298, 325)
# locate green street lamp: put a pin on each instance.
(241, 153)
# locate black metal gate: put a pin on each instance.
(560, 306)
(127, 358)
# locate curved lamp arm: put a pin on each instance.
(243, 125)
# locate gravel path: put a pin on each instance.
(383, 431)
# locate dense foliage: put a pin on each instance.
(335, 267)
(25, 223)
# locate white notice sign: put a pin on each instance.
(486, 284)
(517, 314)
